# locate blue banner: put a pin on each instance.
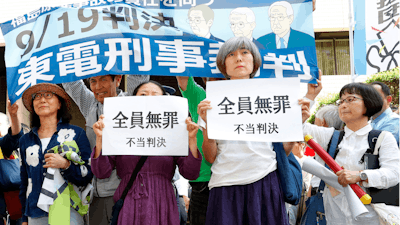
(169, 38)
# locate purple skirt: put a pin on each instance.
(257, 203)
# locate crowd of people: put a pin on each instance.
(232, 182)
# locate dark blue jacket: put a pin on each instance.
(8, 144)
(32, 171)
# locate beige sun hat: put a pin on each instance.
(44, 87)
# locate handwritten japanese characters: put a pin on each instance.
(254, 110)
(145, 125)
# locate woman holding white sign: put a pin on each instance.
(151, 199)
(244, 185)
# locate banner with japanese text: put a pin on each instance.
(168, 38)
(376, 36)
(145, 125)
(254, 110)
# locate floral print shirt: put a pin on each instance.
(33, 173)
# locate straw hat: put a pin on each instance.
(44, 87)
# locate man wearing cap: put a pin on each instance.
(90, 103)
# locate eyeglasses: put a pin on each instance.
(239, 25)
(46, 95)
(349, 100)
(279, 18)
(196, 21)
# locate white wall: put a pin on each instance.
(331, 15)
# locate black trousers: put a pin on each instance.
(198, 203)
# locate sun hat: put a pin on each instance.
(44, 87)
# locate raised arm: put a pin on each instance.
(314, 89)
(10, 141)
(15, 124)
(81, 95)
(182, 82)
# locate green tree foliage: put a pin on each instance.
(391, 79)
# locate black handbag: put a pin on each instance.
(118, 205)
(388, 196)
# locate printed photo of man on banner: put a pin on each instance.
(168, 38)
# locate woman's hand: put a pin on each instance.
(192, 129)
(98, 130)
(55, 161)
(98, 127)
(305, 109)
(202, 109)
(15, 124)
(346, 177)
(12, 109)
(24, 223)
(314, 89)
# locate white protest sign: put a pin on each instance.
(255, 110)
(145, 125)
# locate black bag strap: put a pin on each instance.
(341, 135)
(336, 138)
(133, 176)
(373, 136)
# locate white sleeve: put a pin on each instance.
(182, 184)
(322, 135)
(388, 173)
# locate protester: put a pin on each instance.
(244, 185)
(385, 119)
(296, 211)
(50, 118)
(328, 116)
(358, 102)
(9, 140)
(90, 103)
(151, 199)
(200, 192)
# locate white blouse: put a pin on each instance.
(351, 150)
(241, 162)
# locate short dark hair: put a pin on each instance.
(112, 77)
(384, 87)
(164, 92)
(372, 99)
(62, 114)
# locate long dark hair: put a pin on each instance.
(62, 114)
